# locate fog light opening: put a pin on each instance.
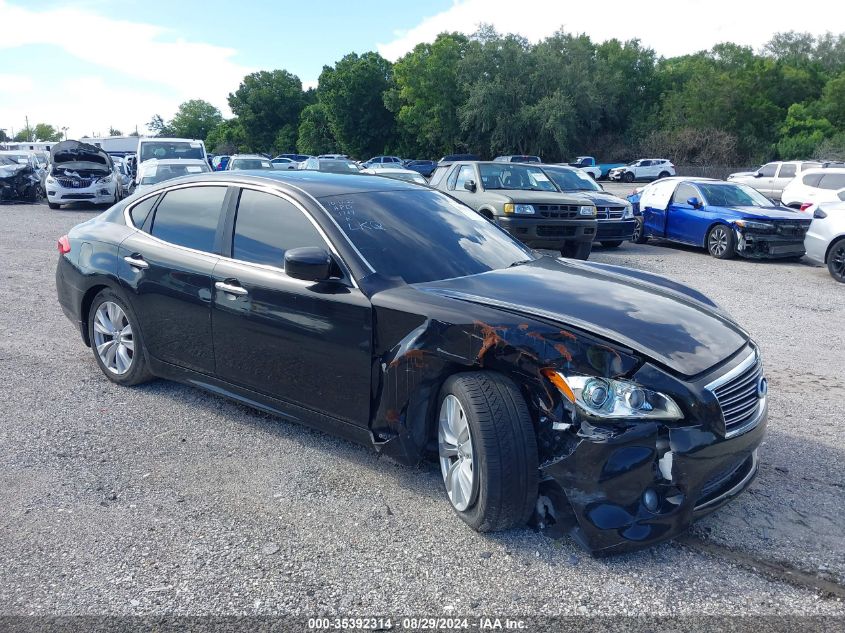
(650, 500)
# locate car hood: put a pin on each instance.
(657, 318)
(743, 174)
(598, 198)
(534, 197)
(765, 213)
(83, 155)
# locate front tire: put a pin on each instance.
(488, 451)
(628, 176)
(576, 250)
(721, 242)
(53, 205)
(116, 340)
(836, 260)
(639, 236)
(612, 244)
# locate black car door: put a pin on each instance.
(168, 267)
(306, 343)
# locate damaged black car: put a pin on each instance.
(18, 181)
(608, 403)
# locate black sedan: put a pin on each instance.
(564, 392)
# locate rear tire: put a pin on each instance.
(836, 260)
(721, 242)
(612, 244)
(115, 334)
(503, 465)
(663, 174)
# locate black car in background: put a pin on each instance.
(395, 316)
(616, 222)
(424, 167)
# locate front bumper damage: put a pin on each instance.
(759, 245)
(628, 487)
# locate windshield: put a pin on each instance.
(171, 149)
(21, 159)
(415, 177)
(730, 195)
(5, 160)
(514, 176)
(447, 239)
(153, 174)
(250, 163)
(571, 180)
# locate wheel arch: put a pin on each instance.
(88, 299)
(829, 248)
(710, 227)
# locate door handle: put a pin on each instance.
(136, 261)
(238, 291)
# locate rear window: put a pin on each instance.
(188, 217)
(832, 181)
(811, 180)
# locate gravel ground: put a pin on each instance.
(165, 500)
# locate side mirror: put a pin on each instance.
(309, 263)
(758, 174)
(694, 202)
(469, 185)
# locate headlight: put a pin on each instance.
(104, 179)
(759, 226)
(519, 209)
(628, 213)
(587, 210)
(613, 399)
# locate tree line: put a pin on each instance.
(491, 93)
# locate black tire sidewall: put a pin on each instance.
(834, 247)
(139, 371)
(612, 243)
(641, 237)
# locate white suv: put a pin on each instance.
(824, 184)
(643, 169)
(772, 178)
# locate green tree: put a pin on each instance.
(832, 103)
(114, 132)
(158, 126)
(227, 138)
(315, 133)
(195, 119)
(352, 92)
(45, 132)
(266, 103)
(426, 96)
(801, 133)
(3, 137)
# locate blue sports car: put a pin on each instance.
(725, 218)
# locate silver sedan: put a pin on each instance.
(825, 240)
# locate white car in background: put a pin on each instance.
(824, 184)
(408, 175)
(154, 171)
(168, 148)
(80, 172)
(825, 240)
(772, 178)
(643, 169)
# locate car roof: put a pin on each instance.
(823, 170)
(314, 183)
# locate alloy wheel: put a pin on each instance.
(113, 338)
(637, 230)
(456, 455)
(837, 262)
(718, 242)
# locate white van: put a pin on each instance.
(168, 148)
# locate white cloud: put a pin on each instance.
(175, 69)
(671, 28)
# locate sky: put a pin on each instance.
(91, 64)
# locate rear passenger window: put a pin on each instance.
(787, 171)
(832, 181)
(140, 211)
(188, 217)
(812, 180)
(266, 226)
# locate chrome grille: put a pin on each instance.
(609, 213)
(75, 183)
(738, 394)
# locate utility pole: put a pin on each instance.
(28, 131)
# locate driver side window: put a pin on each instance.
(465, 174)
(767, 171)
(683, 193)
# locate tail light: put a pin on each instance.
(806, 206)
(63, 245)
